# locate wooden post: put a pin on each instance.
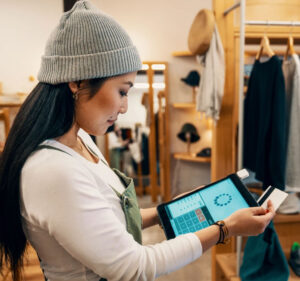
(224, 132)
(161, 144)
(152, 137)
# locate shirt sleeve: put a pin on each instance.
(69, 205)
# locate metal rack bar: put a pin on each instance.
(277, 23)
(227, 11)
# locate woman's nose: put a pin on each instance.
(124, 105)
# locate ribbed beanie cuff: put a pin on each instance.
(87, 44)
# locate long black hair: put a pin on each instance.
(48, 112)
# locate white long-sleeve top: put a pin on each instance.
(74, 220)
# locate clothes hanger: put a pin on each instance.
(265, 48)
(290, 48)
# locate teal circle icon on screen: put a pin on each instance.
(222, 199)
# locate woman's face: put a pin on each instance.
(96, 114)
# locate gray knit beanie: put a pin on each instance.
(87, 44)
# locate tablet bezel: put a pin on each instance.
(162, 211)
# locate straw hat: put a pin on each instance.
(201, 32)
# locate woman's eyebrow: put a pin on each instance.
(129, 83)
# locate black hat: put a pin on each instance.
(205, 152)
(188, 128)
(193, 78)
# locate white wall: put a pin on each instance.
(24, 29)
(157, 27)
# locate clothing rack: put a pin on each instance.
(274, 23)
(243, 23)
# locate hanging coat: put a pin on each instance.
(264, 148)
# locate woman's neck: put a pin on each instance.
(72, 140)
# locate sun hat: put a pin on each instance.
(87, 44)
(201, 32)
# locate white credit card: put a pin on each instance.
(274, 194)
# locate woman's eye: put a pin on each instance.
(123, 93)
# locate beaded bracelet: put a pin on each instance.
(223, 237)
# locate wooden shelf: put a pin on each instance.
(180, 105)
(191, 157)
(280, 218)
(182, 54)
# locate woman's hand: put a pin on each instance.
(250, 221)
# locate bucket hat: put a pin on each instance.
(192, 79)
(205, 152)
(188, 128)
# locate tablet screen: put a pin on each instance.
(204, 207)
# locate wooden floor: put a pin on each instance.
(32, 270)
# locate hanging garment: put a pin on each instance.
(264, 259)
(211, 89)
(264, 149)
(291, 71)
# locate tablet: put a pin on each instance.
(203, 207)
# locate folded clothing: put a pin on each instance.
(291, 205)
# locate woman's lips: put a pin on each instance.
(110, 122)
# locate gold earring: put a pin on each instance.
(75, 96)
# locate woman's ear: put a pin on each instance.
(74, 87)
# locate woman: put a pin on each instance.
(57, 190)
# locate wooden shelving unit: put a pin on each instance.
(191, 158)
(225, 136)
(182, 54)
(181, 105)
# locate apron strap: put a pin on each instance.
(42, 146)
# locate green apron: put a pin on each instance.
(130, 207)
(128, 202)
